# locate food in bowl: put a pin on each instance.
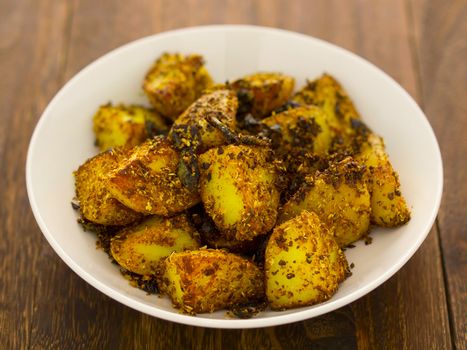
(243, 192)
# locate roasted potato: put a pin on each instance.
(125, 126)
(340, 198)
(213, 238)
(388, 206)
(147, 182)
(327, 93)
(219, 104)
(141, 248)
(96, 203)
(237, 187)
(174, 82)
(303, 263)
(207, 280)
(303, 128)
(247, 167)
(264, 92)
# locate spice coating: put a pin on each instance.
(303, 263)
(141, 248)
(388, 206)
(174, 82)
(125, 126)
(147, 182)
(238, 190)
(96, 203)
(207, 280)
(221, 104)
(327, 93)
(340, 198)
(264, 92)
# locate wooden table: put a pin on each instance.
(421, 43)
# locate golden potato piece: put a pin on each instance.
(264, 92)
(388, 206)
(303, 128)
(206, 280)
(339, 197)
(141, 248)
(213, 238)
(219, 104)
(237, 187)
(147, 182)
(127, 126)
(95, 201)
(174, 82)
(303, 263)
(327, 93)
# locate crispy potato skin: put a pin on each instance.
(388, 206)
(206, 280)
(237, 187)
(124, 126)
(141, 248)
(302, 129)
(174, 82)
(303, 263)
(220, 104)
(327, 93)
(268, 91)
(340, 198)
(95, 201)
(147, 182)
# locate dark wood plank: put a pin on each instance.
(440, 39)
(31, 55)
(51, 40)
(389, 316)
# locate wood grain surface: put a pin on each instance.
(420, 43)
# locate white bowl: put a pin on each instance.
(63, 139)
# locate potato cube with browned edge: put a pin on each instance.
(340, 198)
(147, 182)
(388, 206)
(125, 126)
(219, 104)
(174, 82)
(141, 248)
(327, 93)
(238, 189)
(262, 93)
(303, 263)
(206, 280)
(96, 203)
(305, 128)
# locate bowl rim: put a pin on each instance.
(233, 323)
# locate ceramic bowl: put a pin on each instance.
(63, 139)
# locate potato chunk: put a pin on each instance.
(220, 104)
(388, 206)
(302, 129)
(237, 187)
(303, 263)
(174, 82)
(339, 197)
(264, 92)
(213, 238)
(147, 182)
(327, 93)
(96, 203)
(207, 280)
(127, 126)
(141, 248)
